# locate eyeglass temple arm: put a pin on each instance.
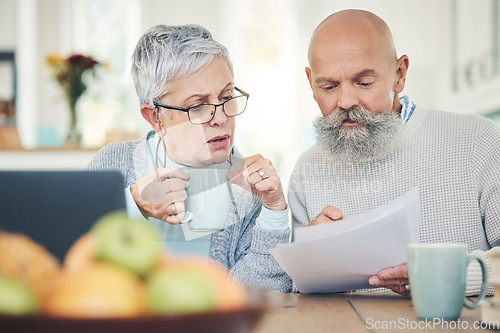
(242, 92)
(171, 107)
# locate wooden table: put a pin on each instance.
(354, 312)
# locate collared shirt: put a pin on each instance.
(407, 109)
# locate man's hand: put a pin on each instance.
(327, 215)
(394, 278)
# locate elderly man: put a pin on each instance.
(374, 146)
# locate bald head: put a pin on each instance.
(353, 62)
(356, 27)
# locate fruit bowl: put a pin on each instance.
(241, 320)
(102, 287)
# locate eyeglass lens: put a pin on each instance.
(205, 112)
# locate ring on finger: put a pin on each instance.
(407, 287)
(173, 208)
(261, 174)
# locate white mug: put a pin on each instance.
(208, 199)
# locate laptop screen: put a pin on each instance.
(54, 208)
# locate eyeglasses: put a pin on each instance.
(204, 113)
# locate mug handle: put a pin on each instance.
(484, 282)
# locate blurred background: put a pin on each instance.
(453, 46)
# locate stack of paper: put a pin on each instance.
(342, 255)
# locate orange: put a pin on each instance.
(164, 261)
(101, 290)
(80, 255)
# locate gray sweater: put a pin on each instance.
(453, 159)
(242, 247)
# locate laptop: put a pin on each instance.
(54, 208)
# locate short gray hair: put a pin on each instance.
(165, 53)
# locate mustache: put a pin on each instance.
(357, 114)
(375, 136)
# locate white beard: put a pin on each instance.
(361, 143)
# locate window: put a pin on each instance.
(268, 58)
(107, 30)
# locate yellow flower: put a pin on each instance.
(106, 65)
(54, 59)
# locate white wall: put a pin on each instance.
(7, 24)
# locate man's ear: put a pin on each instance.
(151, 115)
(401, 70)
(308, 74)
(309, 78)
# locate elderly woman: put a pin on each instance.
(184, 80)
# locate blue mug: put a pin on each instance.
(437, 275)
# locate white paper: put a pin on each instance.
(341, 256)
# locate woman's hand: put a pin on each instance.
(258, 175)
(162, 198)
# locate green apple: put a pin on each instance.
(130, 243)
(16, 298)
(178, 291)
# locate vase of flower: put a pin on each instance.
(69, 73)
(74, 136)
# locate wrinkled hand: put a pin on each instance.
(162, 199)
(394, 278)
(258, 175)
(327, 215)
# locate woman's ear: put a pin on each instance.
(151, 115)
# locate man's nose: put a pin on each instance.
(347, 98)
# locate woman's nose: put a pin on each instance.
(219, 116)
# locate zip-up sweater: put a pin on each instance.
(241, 247)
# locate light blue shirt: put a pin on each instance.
(172, 235)
(407, 109)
